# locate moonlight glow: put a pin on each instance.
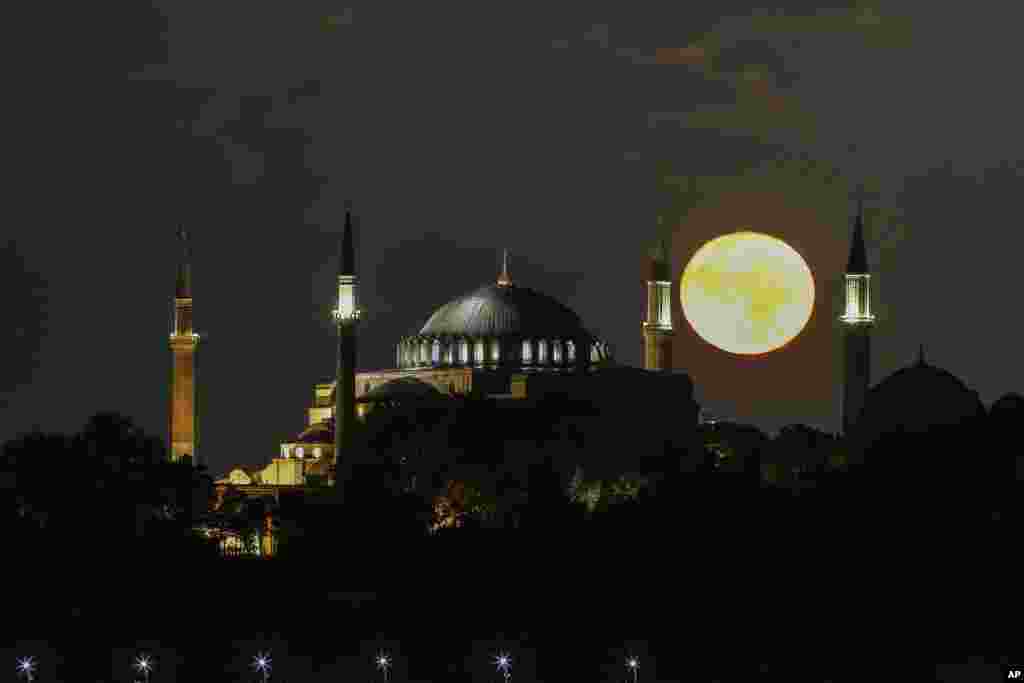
(747, 293)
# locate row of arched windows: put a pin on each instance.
(434, 351)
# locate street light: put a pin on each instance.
(262, 663)
(384, 663)
(144, 664)
(504, 663)
(27, 667)
(633, 664)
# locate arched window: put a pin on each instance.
(495, 350)
(542, 351)
(449, 349)
(366, 388)
(556, 351)
(527, 351)
(478, 351)
(424, 352)
(570, 350)
(298, 452)
(284, 451)
(317, 452)
(464, 351)
(435, 356)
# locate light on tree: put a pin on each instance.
(633, 664)
(261, 662)
(504, 663)
(27, 667)
(384, 664)
(144, 665)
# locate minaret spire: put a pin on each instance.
(857, 321)
(858, 261)
(183, 286)
(504, 280)
(184, 430)
(347, 318)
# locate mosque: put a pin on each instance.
(506, 341)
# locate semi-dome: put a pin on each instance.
(403, 388)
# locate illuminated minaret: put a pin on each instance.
(347, 319)
(657, 328)
(183, 422)
(858, 321)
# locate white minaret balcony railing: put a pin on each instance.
(858, 300)
(659, 310)
(348, 308)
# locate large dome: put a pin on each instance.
(498, 311)
(502, 326)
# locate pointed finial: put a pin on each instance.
(858, 262)
(504, 280)
(183, 284)
(347, 266)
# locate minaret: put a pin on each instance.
(347, 318)
(657, 328)
(858, 321)
(183, 422)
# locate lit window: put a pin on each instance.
(527, 351)
(570, 350)
(449, 353)
(542, 351)
(317, 452)
(495, 350)
(298, 452)
(556, 351)
(478, 352)
(435, 355)
(284, 452)
(464, 351)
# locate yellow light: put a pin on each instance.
(747, 293)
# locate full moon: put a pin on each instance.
(747, 293)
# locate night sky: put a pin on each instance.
(456, 131)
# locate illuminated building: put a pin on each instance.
(183, 433)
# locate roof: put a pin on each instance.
(498, 310)
(858, 262)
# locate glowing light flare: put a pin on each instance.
(384, 664)
(747, 293)
(504, 663)
(633, 664)
(144, 665)
(27, 667)
(261, 662)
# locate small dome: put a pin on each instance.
(918, 398)
(499, 310)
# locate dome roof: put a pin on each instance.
(498, 310)
(917, 398)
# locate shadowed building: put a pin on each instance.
(183, 433)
